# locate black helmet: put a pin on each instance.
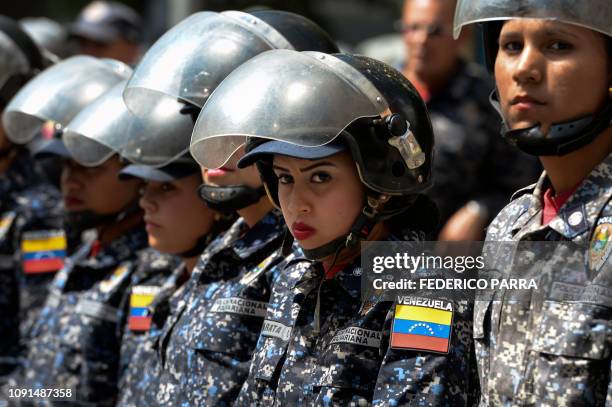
(20, 59)
(318, 104)
(188, 63)
(595, 15)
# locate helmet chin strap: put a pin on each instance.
(562, 138)
(230, 198)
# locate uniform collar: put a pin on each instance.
(578, 214)
(250, 241)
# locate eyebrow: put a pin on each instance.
(310, 167)
(551, 32)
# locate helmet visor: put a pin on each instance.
(593, 14)
(294, 97)
(59, 93)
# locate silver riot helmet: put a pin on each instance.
(595, 15)
(59, 93)
(20, 59)
(106, 126)
(49, 35)
(309, 105)
(190, 60)
(188, 63)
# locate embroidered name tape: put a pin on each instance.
(276, 330)
(358, 336)
(97, 310)
(43, 251)
(242, 306)
(140, 299)
(424, 327)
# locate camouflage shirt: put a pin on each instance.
(31, 218)
(75, 342)
(322, 344)
(472, 161)
(554, 347)
(157, 277)
(207, 347)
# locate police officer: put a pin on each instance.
(350, 167)
(56, 94)
(206, 344)
(29, 207)
(552, 65)
(75, 342)
(471, 179)
(178, 224)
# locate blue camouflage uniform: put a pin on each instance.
(207, 346)
(75, 342)
(31, 214)
(322, 344)
(158, 277)
(553, 348)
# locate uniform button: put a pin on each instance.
(575, 219)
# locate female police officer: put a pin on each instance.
(208, 339)
(553, 69)
(345, 150)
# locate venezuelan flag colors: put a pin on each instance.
(422, 327)
(43, 251)
(140, 317)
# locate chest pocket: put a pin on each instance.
(350, 361)
(571, 358)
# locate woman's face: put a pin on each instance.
(550, 72)
(320, 199)
(230, 174)
(97, 189)
(175, 216)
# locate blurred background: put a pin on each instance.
(370, 27)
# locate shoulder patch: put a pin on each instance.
(422, 324)
(6, 221)
(600, 246)
(115, 279)
(141, 298)
(43, 251)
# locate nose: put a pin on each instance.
(529, 67)
(71, 177)
(299, 202)
(146, 202)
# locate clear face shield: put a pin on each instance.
(107, 127)
(184, 67)
(596, 15)
(59, 93)
(12, 60)
(277, 95)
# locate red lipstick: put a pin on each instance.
(302, 231)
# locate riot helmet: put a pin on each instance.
(188, 62)
(595, 15)
(321, 104)
(59, 93)
(20, 59)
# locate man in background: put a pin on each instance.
(475, 171)
(107, 29)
